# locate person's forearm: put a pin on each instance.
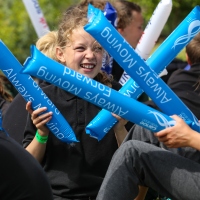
(195, 140)
(36, 149)
(120, 135)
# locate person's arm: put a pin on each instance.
(119, 129)
(179, 135)
(37, 149)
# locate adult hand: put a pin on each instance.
(179, 135)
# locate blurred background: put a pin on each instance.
(18, 33)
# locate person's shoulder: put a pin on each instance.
(4, 107)
(177, 64)
(44, 84)
(177, 76)
(183, 78)
(48, 87)
(194, 70)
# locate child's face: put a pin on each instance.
(83, 54)
(133, 32)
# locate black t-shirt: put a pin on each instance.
(14, 120)
(75, 170)
(117, 71)
(21, 176)
(4, 104)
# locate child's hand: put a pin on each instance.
(39, 118)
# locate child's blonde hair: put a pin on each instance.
(47, 44)
(73, 18)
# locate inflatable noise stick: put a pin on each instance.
(37, 18)
(163, 55)
(43, 67)
(30, 91)
(137, 68)
(151, 33)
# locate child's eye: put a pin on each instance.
(98, 49)
(79, 48)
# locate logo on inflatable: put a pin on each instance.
(193, 29)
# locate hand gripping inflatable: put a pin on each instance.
(90, 90)
(151, 32)
(37, 17)
(137, 68)
(30, 91)
(163, 55)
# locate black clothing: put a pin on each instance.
(21, 176)
(75, 170)
(3, 105)
(17, 115)
(172, 67)
(185, 84)
(117, 71)
(14, 120)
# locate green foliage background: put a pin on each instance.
(17, 32)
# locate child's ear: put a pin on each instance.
(60, 55)
(188, 59)
(120, 30)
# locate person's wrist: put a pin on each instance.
(41, 139)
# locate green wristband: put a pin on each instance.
(41, 139)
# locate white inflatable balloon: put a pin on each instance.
(36, 16)
(152, 33)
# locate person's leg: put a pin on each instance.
(140, 133)
(142, 193)
(137, 163)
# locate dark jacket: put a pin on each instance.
(4, 105)
(74, 170)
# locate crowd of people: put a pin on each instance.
(129, 159)
(167, 160)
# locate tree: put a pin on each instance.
(18, 34)
(180, 9)
(17, 31)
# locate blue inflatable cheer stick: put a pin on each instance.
(163, 55)
(138, 69)
(90, 90)
(30, 91)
